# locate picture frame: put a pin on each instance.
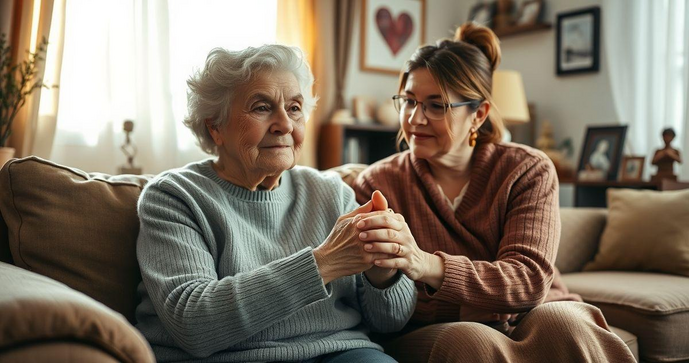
(578, 41)
(391, 31)
(632, 168)
(530, 12)
(601, 153)
(483, 13)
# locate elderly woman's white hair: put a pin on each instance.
(211, 90)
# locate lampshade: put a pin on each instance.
(509, 96)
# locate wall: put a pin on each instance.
(442, 17)
(6, 7)
(570, 103)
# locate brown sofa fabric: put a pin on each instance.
(652, 306)
(37, 309)
(5, 254)
(76, 228)
(56, 352)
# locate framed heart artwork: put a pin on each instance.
(391, 30)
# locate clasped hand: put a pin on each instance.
(373, 240)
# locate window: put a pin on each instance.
(131, 59)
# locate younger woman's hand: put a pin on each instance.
(389, 234)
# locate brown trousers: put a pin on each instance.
(552, 332)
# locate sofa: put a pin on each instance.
(68, 271)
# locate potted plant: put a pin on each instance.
(17, 81)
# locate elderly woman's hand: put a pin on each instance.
(342, 253)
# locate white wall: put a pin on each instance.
(570, 103)
(442, 17)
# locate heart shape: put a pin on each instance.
(395, 32)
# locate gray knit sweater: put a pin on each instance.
(229, 274)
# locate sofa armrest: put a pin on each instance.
(581, 232)
(35, 309)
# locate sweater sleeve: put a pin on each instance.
(386, 310)
(383, 310)
(520, 277)
(205, 314)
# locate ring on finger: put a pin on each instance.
(399, 249)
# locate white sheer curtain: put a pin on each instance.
(130, 59)
(646, 43)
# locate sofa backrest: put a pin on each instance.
(581, 232)
(77, 228)
(81, 228)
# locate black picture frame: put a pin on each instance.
(603, 144)
(578, 41)
(483, 13)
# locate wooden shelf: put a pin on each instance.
(520, 29)
(370, 127)
(358, 143)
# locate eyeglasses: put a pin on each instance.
(433, 110)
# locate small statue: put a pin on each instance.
(546, 143)
(129, 150)
(665, 158)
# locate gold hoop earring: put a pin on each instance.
(473, 135)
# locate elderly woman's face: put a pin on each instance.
(265, 130)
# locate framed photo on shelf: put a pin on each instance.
(632, 168)
(391, 30)
(530, 12)
(483, 13)
(601, 153)
(578, 41)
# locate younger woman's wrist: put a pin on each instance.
(434, 273)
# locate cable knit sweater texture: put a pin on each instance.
(498, 246)
(229, 274)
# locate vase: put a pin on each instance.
(6, 153)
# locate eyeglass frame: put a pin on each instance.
(473, 103)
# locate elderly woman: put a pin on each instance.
(247, 257)
(481, 223)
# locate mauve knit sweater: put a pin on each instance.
(498, 246)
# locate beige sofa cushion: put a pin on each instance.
(646, 231)
(581, 231)
(36, 309)
(654, 307)
(629, 339)
(76, 228)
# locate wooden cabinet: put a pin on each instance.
(359, 143)
(594, 194)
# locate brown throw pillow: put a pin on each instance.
(646, 231)
(37, 310)
(76, 228)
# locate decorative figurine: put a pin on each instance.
(546, 143)
(665, 158)
(129, 149)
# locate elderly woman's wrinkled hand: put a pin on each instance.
(342, 253)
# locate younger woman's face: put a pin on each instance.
(434, 139)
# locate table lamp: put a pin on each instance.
(509, 98)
